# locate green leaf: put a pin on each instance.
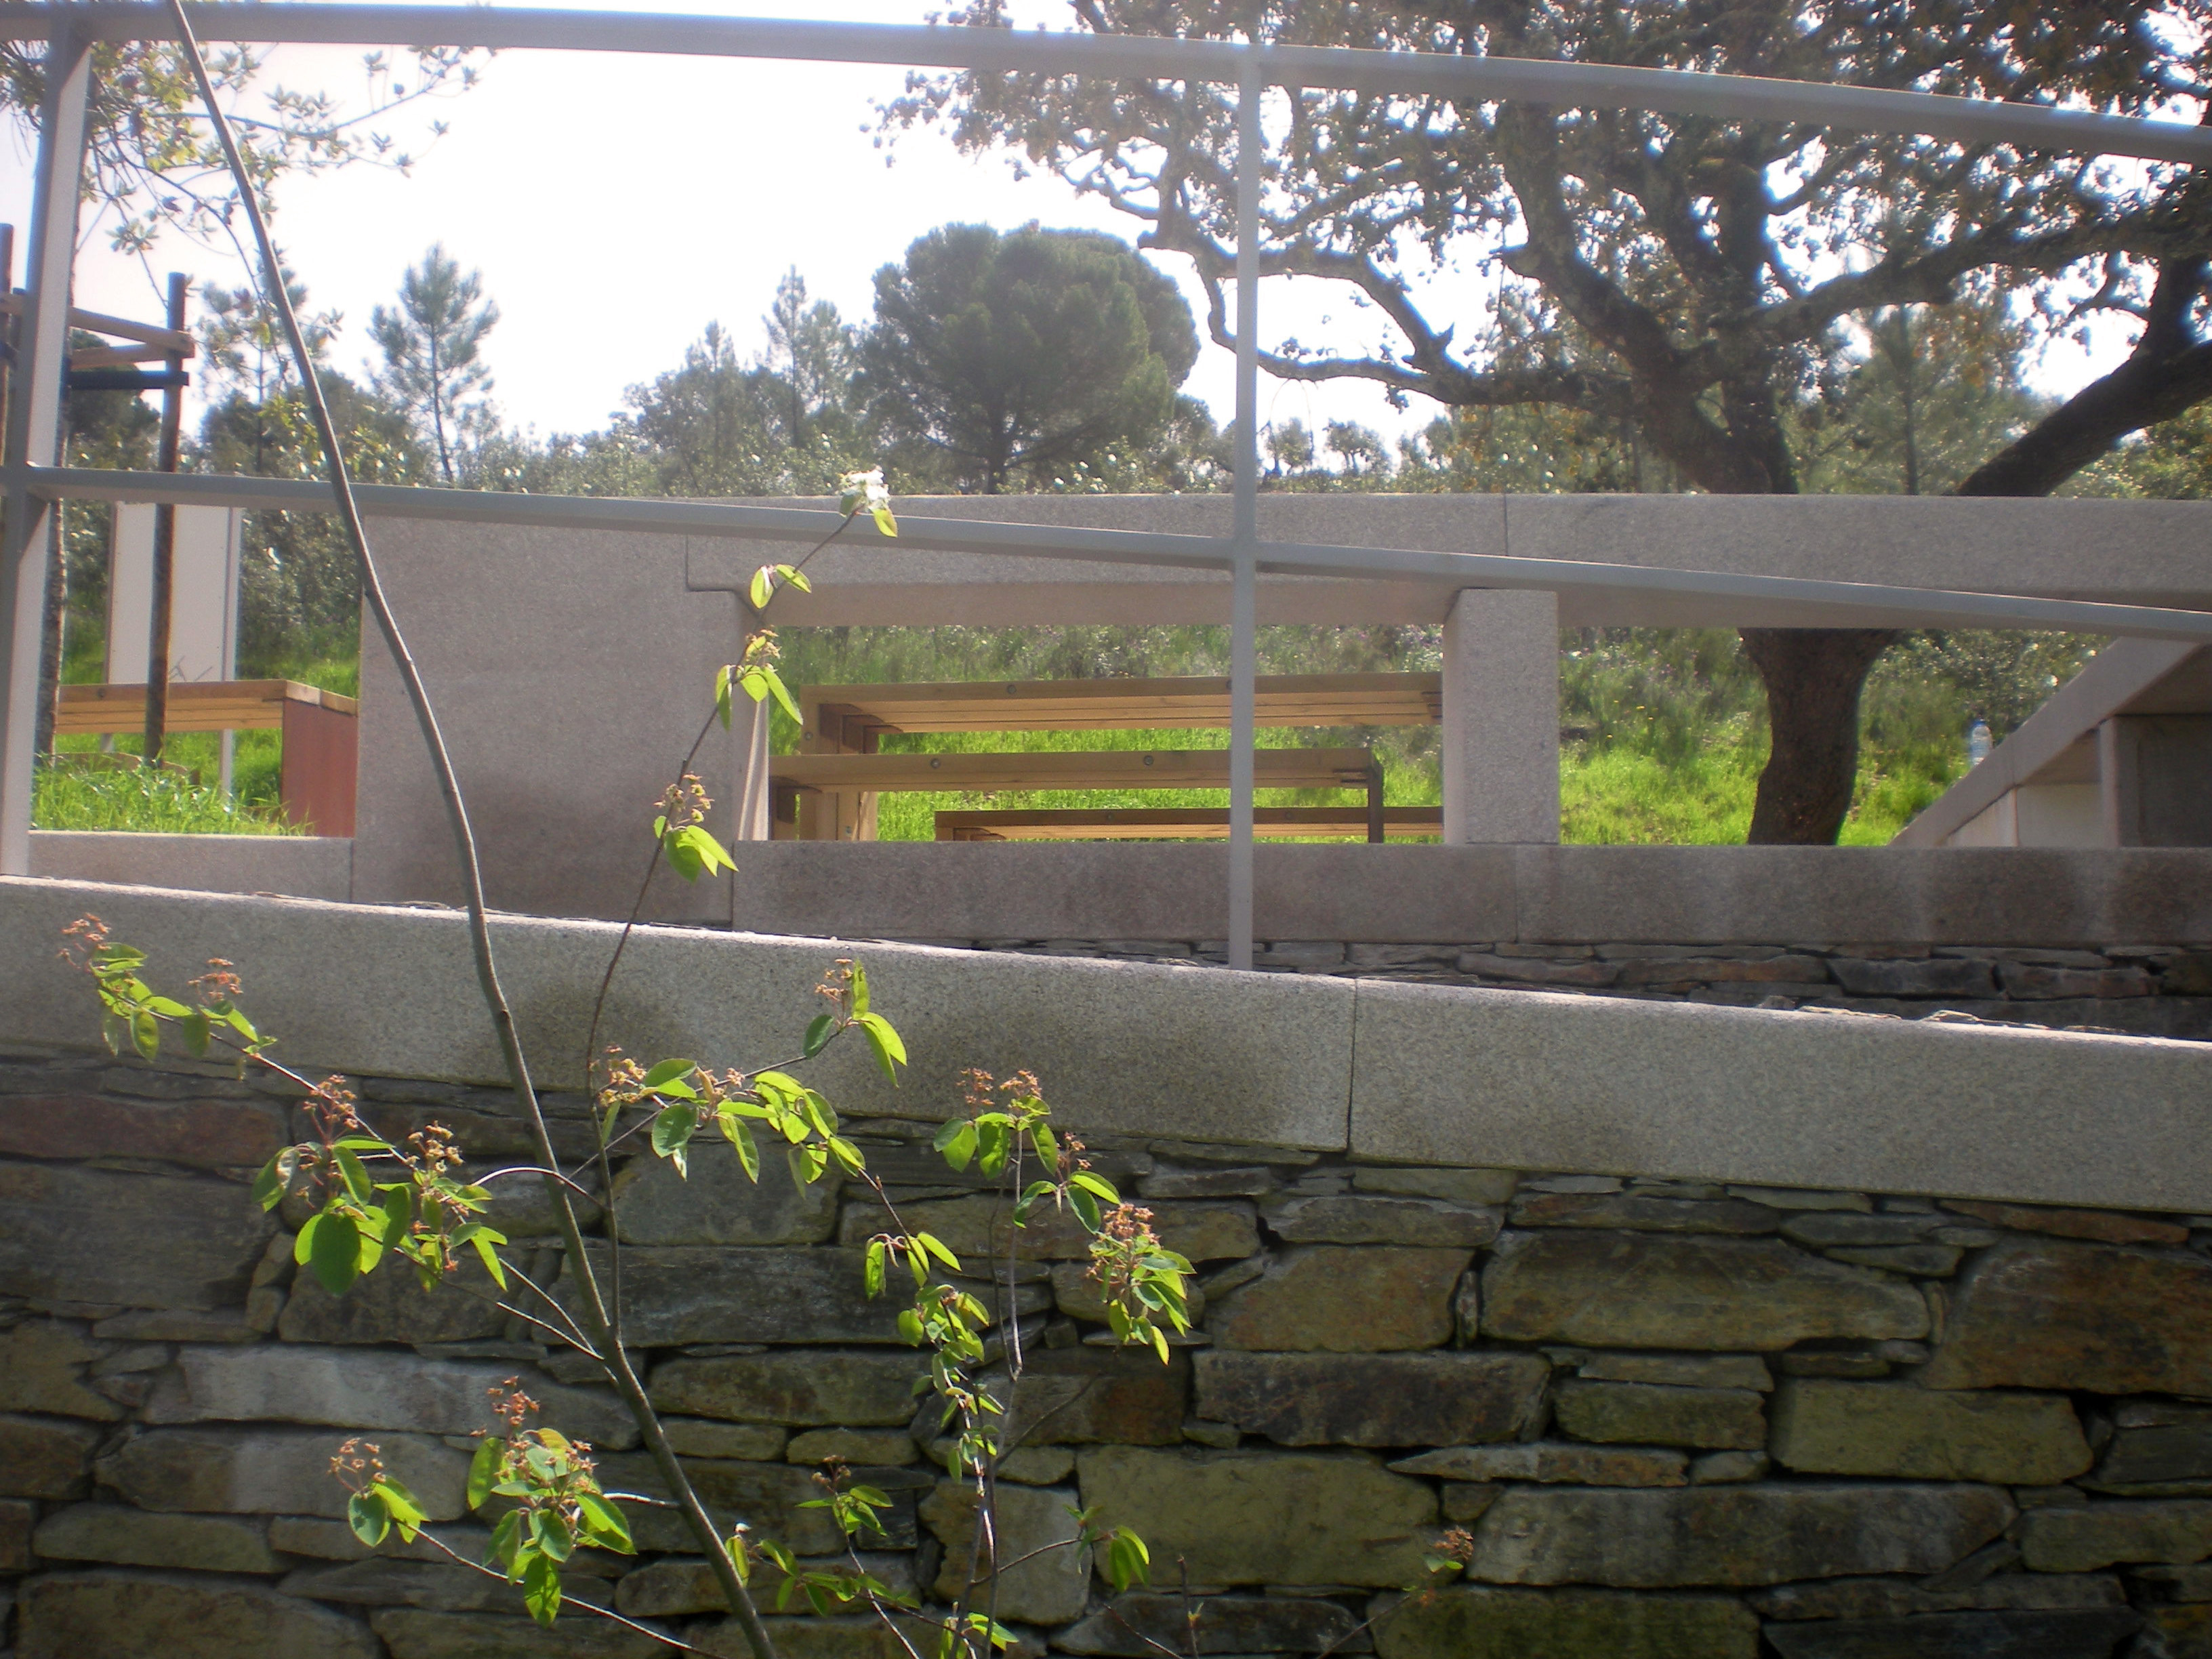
(909, 1328)
(554, 1536)
(796, 577)
(709, 854)
(935, 1246)
(873, 1272)
(1098, 1184)
(819, 1030)
(146, 1034)
(993, 1143)
(762, 588)
(275, 1175)
(860, 990)
(668, 1071)
(1128, 1560)
(541, 1588)
(848, 1155)
(484, 1468)
(1085, 1209)
(484, 1239)
(334, 1253)
(195, 1029)
(399, 1503)
(367, 1518)
(673, 1129)
(1047, 1148)
(740, 1135)
(357, 1184)
(604, 1524)
(506, 1535)
(722, 695)
(783, 697)
(891, 1052)
(885, 523)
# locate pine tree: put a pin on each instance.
(432, 345)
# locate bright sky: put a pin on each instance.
(617, 204)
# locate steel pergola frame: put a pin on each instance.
(34, 480)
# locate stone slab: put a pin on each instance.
(140, 1538)
(1137, 1625)
(1045, 1577)
(420, 1633)
(1373, 1400)
(1342, 1298)
(2070, 1538)
(1661, 1414)
(1823, 1426)
(854, 1388)
(2071, 1633)
(1729, 1534)
(1657, 1290)
(302, 867)
(715, 1204)
(139, 1241)
(79, 1614)
(216, 1134)
(1555, 1462)
(2097, 1317)
(42, 1369)
(271, 1471)
(675, 1294)
(1471, 1621)
(1265, 1518)
(45, 1456)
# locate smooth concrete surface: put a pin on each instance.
(1120, 1048)
(2151, 553)
(570, 676)
(1535, 895)
(1530, 1080)
(2125, 673)
(299, 866)
(1501, 725)
(1398, 1072)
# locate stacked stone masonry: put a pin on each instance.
(1661, 1420)
(2136, 990)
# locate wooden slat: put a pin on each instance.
(1124, 769)
(1183, 823)
(1133, 704)
(174, 342)
(199, 706)
(116, 356)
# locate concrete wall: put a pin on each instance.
(1690, 1332)
(299, 866)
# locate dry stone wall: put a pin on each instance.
(2139, 990)
(1660, 1420)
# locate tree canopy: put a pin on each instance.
(433, 346)
(1678, 278)
(1024, 355)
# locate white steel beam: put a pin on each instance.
(1680, 91)
(1244, 522)
(34, 430)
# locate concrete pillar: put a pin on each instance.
(1501, 731)
(2155, 771)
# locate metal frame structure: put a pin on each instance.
(34, 480)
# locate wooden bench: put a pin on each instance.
(791, 775)
(1184, 823)
(850, 719)
(322, 740)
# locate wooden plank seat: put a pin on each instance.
(1103, 705)
(791, 775)
(322, 740)
(1183, 823)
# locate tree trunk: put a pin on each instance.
(1813, 677)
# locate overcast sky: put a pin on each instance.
(617, 204)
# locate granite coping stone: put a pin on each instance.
(1393, 1072)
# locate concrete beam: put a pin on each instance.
(298, 866)
(1501, 725)
(1408, 1073)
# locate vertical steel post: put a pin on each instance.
(164, 545)
(1243, 603)
(34, 416)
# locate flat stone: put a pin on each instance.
(1681, 1370)
(371, 1391)
(1665, 1290)
(1137, 1625)
(1856, 1360)
(1460, 1186)
(1074, 1396)
(391, 1305)
(381, 1581)
(1902, 1429)
(1571, 1183)
(1343, 1299)
(980, 1226)
(819, 1388)
(2181, 1633)
(420, 1634)
(1534, 970)
(700, 1436)
(1471, 1621)
(1722, 970)
(884, 1446)
(2190, 1583)
(2082, 1538)
(772, 1498)
(1634, 1210)
(1933, 976)
(2042, 982)
(2162, 1452)
(1921, 1261)
(2100, 1227)
(42, 1367)
(1079, 1295)
(2094, 1317)
(334, 1540)
(1554, 1462)
(1727, 1468)
(16, 1517)
(1373, 1400)
(1654, 1414)
(205, 1134)
(2076, 1633)
(45, 1456)
(1802, 1198)
(1047, 1577)
(1467, 1501)
(675, 1585)
(1899, 1598)
(825, 1638)
(80, 1615)
(132, 1241)
(141, 1538)
(272, 1471)
(179, 1325)
(716, 1204)
(1730, 1535)
(1237, 1517)
(1368, 1218)
(1828, 1229)
(679, 1294)
(1249, 1182)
